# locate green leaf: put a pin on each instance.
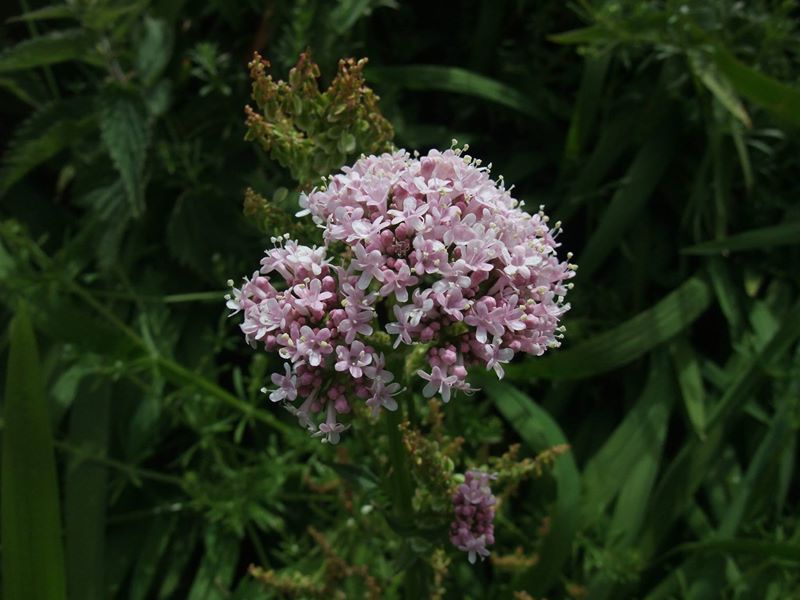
(785, 234)
(46, 133)
(53, 11)
(457, 81)
(594, 34)
(778, 98)
(718, 85)
(689, 469)
(215, 573)
(587, 104)
(758, 548)
(30, 520)
(687, 371)
(48, 49)
(539, 431)
(126, 134)
(85, 493)
(154, 50)
(640, 435)
(641, 180)
(624, 343)
(763, 459)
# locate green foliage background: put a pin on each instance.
(662, 133)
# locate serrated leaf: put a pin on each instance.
(46, 133)
(30, 519)
(126, 135)
(457, 81)
(624, 343)
(48, 49)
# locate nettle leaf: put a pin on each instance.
(48, 49)
(47, 132)
(53, 11)
(126, 133)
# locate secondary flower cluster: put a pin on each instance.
(431, 251)
(472, 528)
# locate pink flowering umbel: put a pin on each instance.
(472, 528)
(428, 250)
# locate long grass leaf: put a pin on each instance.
(538, 429)
(640, 434)
(785, 234)
(778, 98)
(624, 343)
(30, 519)
(641, 181)
(85, 493)
(457, 81)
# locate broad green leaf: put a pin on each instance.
(639, 435)
(126, 134)
(539, 431)
(154, 49)
(46, 133)
(457, 81)
(785, 234)
(640, 182)
(707, 72)
(86, 492)
(48, 49)
(687, 370)
(778, 98)
(30, 519)
(624, 343)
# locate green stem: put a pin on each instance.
(402, 491)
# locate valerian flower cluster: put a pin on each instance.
(472, 528)
(429, 250)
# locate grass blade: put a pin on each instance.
(457, 81)
(785, 234)
(85, 494)
(639, 435)
(778, 98)
(624, 343)
(641, 180)
(30, 519)
(538, 429)
(687, 370)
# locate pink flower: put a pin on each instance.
(438, 383)
(287, 385)
(353, 359)
(472, 528)
(369, 263)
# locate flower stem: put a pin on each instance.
(402, 491)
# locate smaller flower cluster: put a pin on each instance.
(473, 503)
(314, 322)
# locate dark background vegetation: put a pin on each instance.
(663, 134)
